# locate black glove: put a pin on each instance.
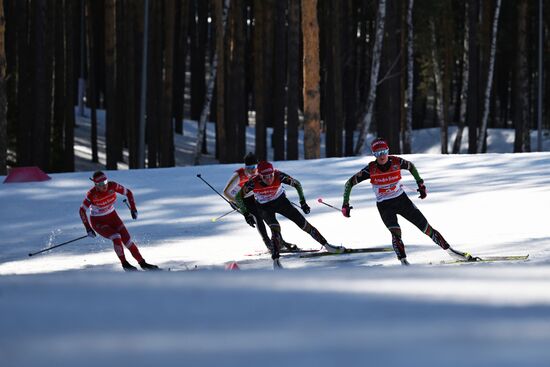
(422, 190)
(134, 214)
(305, 208)
(91, 233)
(346, 209)
(250, 220)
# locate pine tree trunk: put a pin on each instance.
(521, 83)
(24, 83)
(473, 75)
(488, 89)
(210, 90)
(57, 145)
(350, 47)
(70, 83)
(375, 68)
(91, 15)
(279, 81)
(3, 96)
(439, 91)
(259, 79)
(293, 69)
(312, 128)
(407, 131)
(198, 57)
(110, 96)
(180, 56)
(222, 145)
(167, 135)
(464, 85)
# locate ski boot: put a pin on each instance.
(290, 246)
(334, 249)
(145, 266)
(404, 261)
(459, 255)
(128, 267)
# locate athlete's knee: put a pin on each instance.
(395, 231)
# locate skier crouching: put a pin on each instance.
(271, 198)
(385, 176)
(105, 220)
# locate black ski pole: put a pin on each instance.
(216, 191)
(327, 204)
(128, 205)
(223, 215)
(61, 244)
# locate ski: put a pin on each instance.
(349, 251)
(284, 252)
(484, 259)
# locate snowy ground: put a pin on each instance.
(73, 306)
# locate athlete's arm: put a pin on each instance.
(412, 169)
(354, 180)
(232, 187)
(288, 180)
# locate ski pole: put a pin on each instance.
(223, 215)
(128, 205)
(61, 244)
(327, 204)
(216, 191)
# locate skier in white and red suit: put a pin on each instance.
(105, 220)
(270, 196)
(237, 180)
(385, 176)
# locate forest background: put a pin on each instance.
(339, 68)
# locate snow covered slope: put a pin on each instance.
(74, 305)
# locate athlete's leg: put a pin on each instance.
(285, 208)
(260, 224)
(103, 226)
(267, 213)
(389, 217)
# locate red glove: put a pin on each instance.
(346, 209)
(422, 190)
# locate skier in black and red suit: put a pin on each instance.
(237, 180)
(385, 176)
(270, 196)
(105, 220)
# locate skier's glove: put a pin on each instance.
(91, 233)
(305, 208)
(422, 190)
(250, 220)
(346, 209)
(134, 214)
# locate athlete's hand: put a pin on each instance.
(346, 209)
(422, 190)
(250, 220)
(91, 233)
(305, 208)
(134, 214)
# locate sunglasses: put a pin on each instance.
(101, 183)
(381, 153)
(268, 176)
(252, 167)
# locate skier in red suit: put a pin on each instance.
(105, 220)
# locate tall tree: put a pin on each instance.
(406, 134)
(350, 68)
(180, 57)
(3, 96)
(91, 15)
(210, 89)
(70, 85)
(334, 119)
(473, 75)
(440, 109)
(375, 68)
(488, 89)
(199, 15)
(312, 126)
(279, 80)
(166, 129)
(463, 97)
(110, 96)
(521, 83)
(293, 69)
(259, 77)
